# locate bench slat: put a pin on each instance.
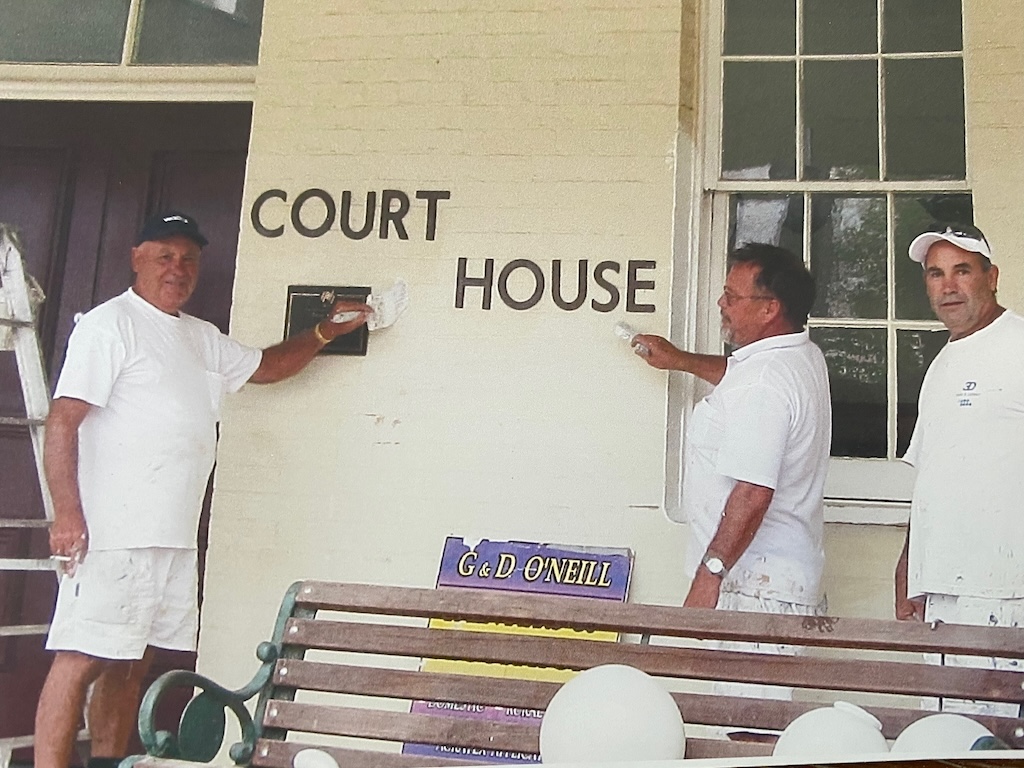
(670, 621)
(278, 754)
(702, 664)
(531, 694)
(401, 726)
(701, 709)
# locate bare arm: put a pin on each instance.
(293, 354)
(907, 609)
(69, 535)
(744, 510)
(661, 353)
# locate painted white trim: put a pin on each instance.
(837, 186)
(99, 82)
(862, 512)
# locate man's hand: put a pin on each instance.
(69, 538)
(910, 609)
(295, 353)
(340, 319)
(658, 352)
(907, 608)
(704, 590)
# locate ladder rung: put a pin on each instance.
(20, 742)
(24, 630)
(11, 322)
(20, 421)
(24, 523)
(27, 564)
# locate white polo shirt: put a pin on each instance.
(967, 514)
(768, 422)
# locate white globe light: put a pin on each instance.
(313, 758)
(612, 713)
(940, 735)
(831, 732)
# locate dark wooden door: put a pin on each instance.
(77, 180)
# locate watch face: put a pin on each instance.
(715, 565)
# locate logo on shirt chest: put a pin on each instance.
(968, 394)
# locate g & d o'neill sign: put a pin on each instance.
(601, 285)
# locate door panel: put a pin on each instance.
(198, 181)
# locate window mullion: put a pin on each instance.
(800, 138)
(131, 34)
(883, 170)
(890, 313)
(806, 234)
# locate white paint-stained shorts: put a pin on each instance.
(980, 612)
(737, 601)
(120, 601)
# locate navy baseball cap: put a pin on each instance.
(168, 224)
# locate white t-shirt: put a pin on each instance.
(146, 450)
(768, 422)
(967, 514)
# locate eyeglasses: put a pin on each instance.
(731, 298)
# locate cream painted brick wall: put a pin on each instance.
(554, 126)
(994, 77)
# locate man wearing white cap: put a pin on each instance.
(963, 560)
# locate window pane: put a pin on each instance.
(200, 32)
(841, 119)
(63, 32)
(922, 25)
(848, 256)
(856, 370)
(840, 26)
(759, 120)
(765, 27)
(924, 119)
(913, 215)
(773, 219)
(915, 351)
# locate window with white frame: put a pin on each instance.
(836, 129)
(180, 32)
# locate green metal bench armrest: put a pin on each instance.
(201, 730)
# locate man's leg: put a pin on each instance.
(977, 611)
(61, 702)
(99, 631)
(737, 601)
(114, 706)
(164, 598)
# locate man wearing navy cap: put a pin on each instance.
(130, 443)
(963, 561)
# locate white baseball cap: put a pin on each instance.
(966, 237)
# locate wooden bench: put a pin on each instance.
(345, 660)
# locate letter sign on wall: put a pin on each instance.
(520, 283)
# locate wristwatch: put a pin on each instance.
(714, 563)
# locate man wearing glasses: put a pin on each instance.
(962, 561)
(757, 447)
